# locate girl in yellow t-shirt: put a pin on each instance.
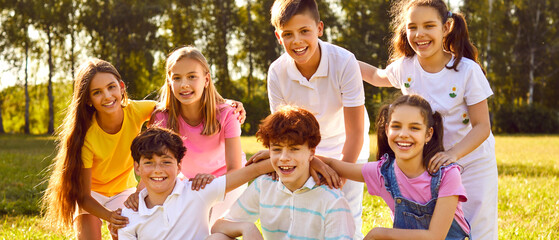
(92, 174)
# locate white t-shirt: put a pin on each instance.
(311, 212)
(183, 215)
(449, 92)
(337, 83)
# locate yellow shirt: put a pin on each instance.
(108, 155)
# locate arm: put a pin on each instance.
(438, 227)
(233, 153)
(374, 76)
(354, 124)
(481, 127)
(90, 205)
(236, 229)
(347, 170)
(241, 176)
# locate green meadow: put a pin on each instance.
(528, 187)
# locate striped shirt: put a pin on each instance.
(311, 212)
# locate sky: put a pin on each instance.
(9, 79)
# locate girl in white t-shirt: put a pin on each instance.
(425, 205)
(431, 56)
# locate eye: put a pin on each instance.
(395, 126)
(412, 27)
(192, 77)
(176, 78)
(95, 93)
(295, 148)
(286, 35)
(275, 149)
(305, 31)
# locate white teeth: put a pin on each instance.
(109, 104)
(404, 144)
(158, 178)
(187, 93)
(423, 43)
(299, 50)
(285, 168)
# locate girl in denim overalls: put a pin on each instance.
(425, 206)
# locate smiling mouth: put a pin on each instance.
(186, 94)
(158, 179)
(109, 104)
(300, 51)
(286, 170)
(423, 43)
(404, 145)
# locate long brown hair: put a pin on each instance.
(457, 41)
(210, 97)
(60, 199)
(432, 119)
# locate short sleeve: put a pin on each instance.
(451, 184)
(230, 125)
(339, 223)
(246, 208)
(477, 87)
(373, 178)
(160, 119)
(393, 73)
(214, 192)
(87, 155)
(128, 232)
(352, 84)
(274, 91)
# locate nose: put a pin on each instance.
(284, 156)
(297, 38)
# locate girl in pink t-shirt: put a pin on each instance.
(424, 205)
(191, 106)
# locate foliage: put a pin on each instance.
(526, 119)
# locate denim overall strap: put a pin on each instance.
(412, 215)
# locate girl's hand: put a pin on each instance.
(200, 181)
(259, 156)
(116, 221)
(238, 109)
(329, 176)
(440, 159)
(132, 202)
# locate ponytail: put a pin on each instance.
(382, 139)
(458, 41)
(435, 145)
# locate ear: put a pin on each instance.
(179, 166)
(208, 79)
(429, 135)
(122, 86)
(136, 168)
(320, 27)
(278, 37)
(312, 153)
(447, 27)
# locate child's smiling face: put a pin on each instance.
(158, 173)
(425, 31)
(407, 133)
(291, 163)
(299, 38)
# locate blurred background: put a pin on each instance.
(43, 42)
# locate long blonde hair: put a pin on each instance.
(210, 97)
(61, 196)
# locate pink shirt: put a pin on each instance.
(417, 189)
(205, 154)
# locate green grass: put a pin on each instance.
(528, 187)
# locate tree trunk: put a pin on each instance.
(49, 88)
(1, 121)
(26, 89)
(250, 66)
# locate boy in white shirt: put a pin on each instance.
(169, 208)
(294, 207)
(324, 79)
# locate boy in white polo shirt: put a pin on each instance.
(169, 208)
(294, 207)
(324, 79)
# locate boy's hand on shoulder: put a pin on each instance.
(201, 180)
(259, 156)
(117, 221)
(328, 175)
(132, 201)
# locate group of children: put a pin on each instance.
(436, 167)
